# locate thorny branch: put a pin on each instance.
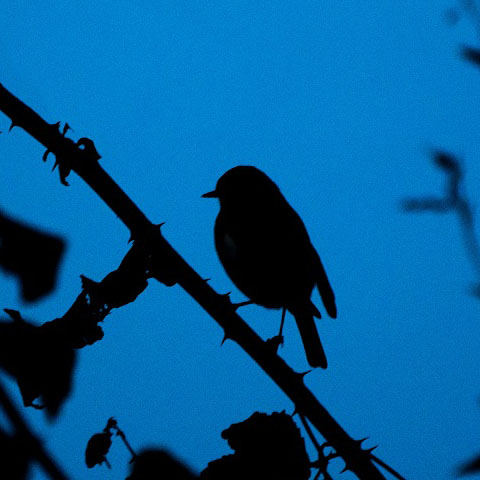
(173, 268)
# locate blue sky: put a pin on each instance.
(339, 103)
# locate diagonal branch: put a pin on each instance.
(30, 442)
(170, 264)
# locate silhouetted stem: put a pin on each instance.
(387, 467)
(32, 444)
(454, 199)
(318, 447)
(127, 444)
(468, 229)
(218, 306)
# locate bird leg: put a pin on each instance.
(277, 340)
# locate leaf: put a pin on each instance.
(33, 256)
(266, 446)
(41, 359)
(97, 449)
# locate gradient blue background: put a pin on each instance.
(339, 103)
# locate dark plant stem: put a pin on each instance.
(387, 467)
(321, 457)
(127, 444)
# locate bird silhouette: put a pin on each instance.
(265, 249)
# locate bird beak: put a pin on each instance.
(212, 194)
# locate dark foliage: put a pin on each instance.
(15, 458)
(266, 446)
(100, 443)
(470, 467)
(158, 464)
(97, 449)
(40, 359)
(31, 255)
(472, 55)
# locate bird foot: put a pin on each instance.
(274, 342)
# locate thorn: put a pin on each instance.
(331, 456)
(303, 374)
(225, 338)
(226, 296)
(242, 304)
(64, 182)
(11, 126)
(206, 280)
(45, 155)
(66, 128)
(274, 342)
(55, 164)
(370, 450)
(359, 442)
(160, 225)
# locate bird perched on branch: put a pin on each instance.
(266, 251)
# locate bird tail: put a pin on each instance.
(325, 290)
(311, 341)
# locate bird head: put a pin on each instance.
(243, 183)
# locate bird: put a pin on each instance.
(266, 251)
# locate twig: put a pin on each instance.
(322, 459)
(454, 200)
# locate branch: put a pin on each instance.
(33, 444)
(454, 200)
(84, 162)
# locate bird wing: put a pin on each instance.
(325, 289)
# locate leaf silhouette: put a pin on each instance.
(266, 446)
(41, 360)
(97, 449)
(31, 255)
